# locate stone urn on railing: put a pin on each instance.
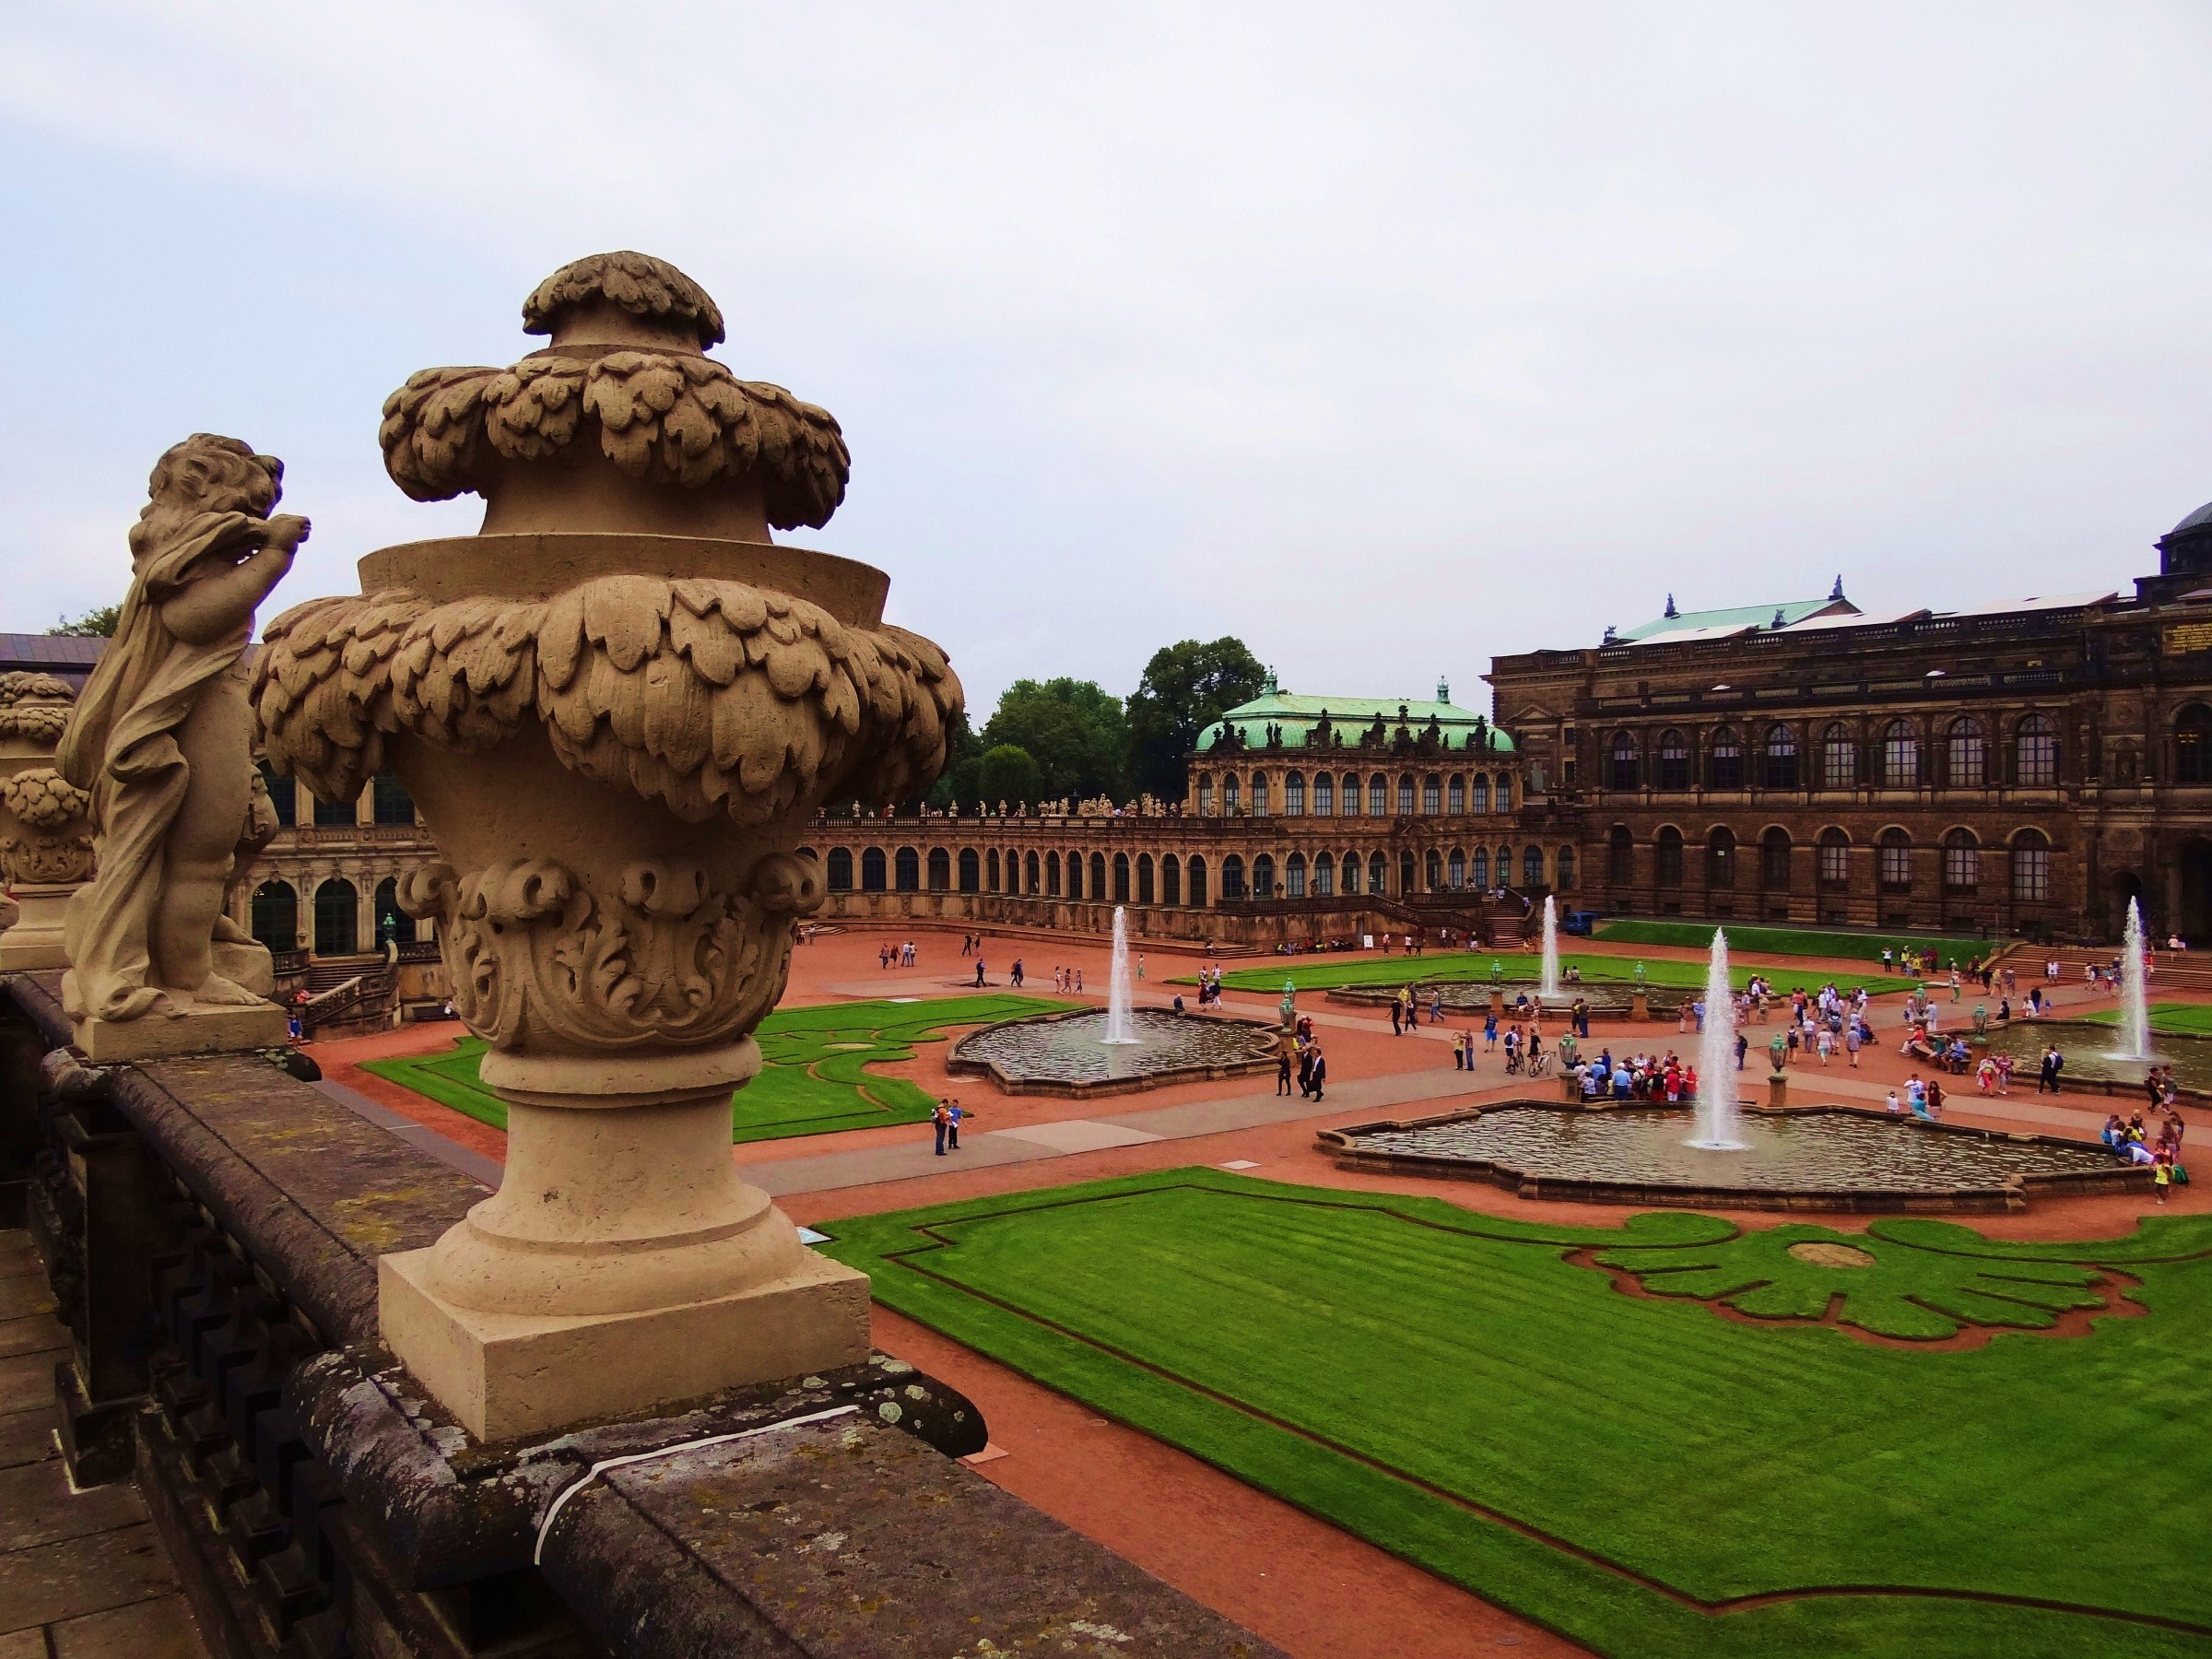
(45, 827)
(616, 706)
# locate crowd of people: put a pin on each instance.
(1665, 1078)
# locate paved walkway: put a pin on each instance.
(82, 1575)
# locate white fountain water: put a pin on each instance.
(1716, 1057)
(2135, 998)
(1549, 986)
(1119, 993)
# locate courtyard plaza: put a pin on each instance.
(1313, 1587)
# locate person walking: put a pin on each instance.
(1317, 1072)
(1394, 1017)
(940, 1119)
(2046, 1078)
(979, 970)
(1284, 1050)
(1017, 973)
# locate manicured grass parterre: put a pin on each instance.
(1792, 941)
(815, 1079)
(2176, 1020)
(1450, 967)
(1638, 1473)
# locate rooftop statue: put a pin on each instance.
(616, 706)
(162, 741)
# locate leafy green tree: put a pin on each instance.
(961, 781)
(97, 624)
(1185, 689)
(1074, 731)
(1007, 772)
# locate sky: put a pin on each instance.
(1388, 338)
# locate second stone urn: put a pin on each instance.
(45, 833)
(616, 706)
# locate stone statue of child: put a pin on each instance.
(163, 736)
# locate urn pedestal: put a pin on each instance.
(45, 839)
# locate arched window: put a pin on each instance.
(284, 796)
(1075, 875)
(1121, 878)
(1029, 870)
(1455, 868)
(1405, 794)
(1198, 883)
(1351, 797)
(1774, 860)
(1294, 876)
(1457, 794)
(1143, 878)
(1666, 857)
(1377, 875)
(1325, 796)
(1478, 870)
(394, 925)
(1505, 793)
(1893, 860)
(389, 801)
(1097, 876)
(1263, 877)
(1407, 874)
(1377, 796)
(1835, 858)
(1620, 856)
(337, 919)
(1532, 865)
(1674, 759)
(336, 815)
(2038, 752)
(994, 863)
(1294, 794)
(1232, 795)
(1232, 878)
(1433, 795)
(275, 914)
(1324, 876)
(838, 870)
(870, 870)
(1839, 757)
(1726, 761)
(1478, 794)
(1435, 870)
(970, 871)
(1720, 859)
(940, 869)
(1965, 755)
(1900, 756)
(1352, 873)
(1505, 866)
(1206, 795)
(1566, 869)
(2193, 745)
(906, 870)
(2030, 866)
(1781, 769)
(1961, 862)
(1171, 880)
(1259, 795)
(1625, 758)
(1052, 875)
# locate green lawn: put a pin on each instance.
(2176, 1020)
(1448, 966)
(1638, 1474)
(1792, 941)
(815, 1080)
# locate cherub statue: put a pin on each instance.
(163, 736)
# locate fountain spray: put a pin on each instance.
(1119, 993)
(1548, 986)
(1716, 1057)
(2134, 1000)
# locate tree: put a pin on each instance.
(961, 781)
(1186, 687)
(1007, 772)
(1075, 732)
(97, 624)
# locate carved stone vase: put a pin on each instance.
(45, 832)
(616, 706)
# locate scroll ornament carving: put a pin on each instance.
(713, 697)
(46, 836)
(536, 957)
(669, 418)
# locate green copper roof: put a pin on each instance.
(1738, 616)
(1298, 715)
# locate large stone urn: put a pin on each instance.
(616, 706)
(45, 831)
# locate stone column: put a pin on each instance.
(45, 835)
(617, 709)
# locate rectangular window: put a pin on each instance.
(1405, 796)
(1838, 761)
(1294, 880)
(1325, 878)
(1259, 795)
(1325, 796)
(2032, 874)
(1432, 797)
(1378, 798)
(1459, 796)
(1896, 862)
(1961, 866)
(1294, 795)
(1835, 863)
(2039, 759)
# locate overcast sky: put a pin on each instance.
(1385, 336)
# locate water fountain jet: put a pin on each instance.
(2134, 1000)
(1119, 993)
(1548, 986)
(1717, 1128)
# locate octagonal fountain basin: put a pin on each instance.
(1607, 999)
(1067, 1053)
(1822, 1158)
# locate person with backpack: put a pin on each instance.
(940, 1119)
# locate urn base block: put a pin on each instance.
(198, 1030)
(505, 1375)
(32, 943)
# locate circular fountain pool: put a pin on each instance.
(1823, 1158)
(1067, 1053)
